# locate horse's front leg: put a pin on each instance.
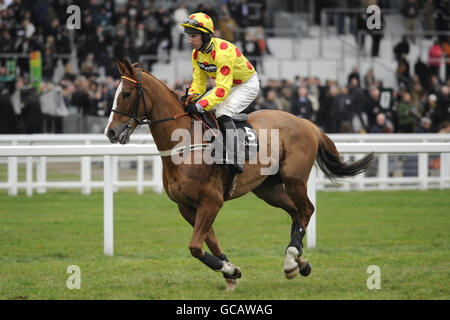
(206, 214)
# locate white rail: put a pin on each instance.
(110, 151)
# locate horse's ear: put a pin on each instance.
(121, 66)
(129, 67)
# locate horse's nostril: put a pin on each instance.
(111, 133)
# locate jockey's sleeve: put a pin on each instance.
(199, 78)
(224, 81)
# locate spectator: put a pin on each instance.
(410, 12)
(377, 35)
(165, 25)
(434, 58)
(31, 113)
(271, 101)
(403, 73)
(345, 112)
(446, 51)
(423, 72)
(301, 105)
(406, 117)
(424, 126)
(89, 67)
(402, 48)
(179, 16)
(369, 79)
(354, 74)
(8, 119)
(381, 125)
(286, 98)
(445, 127)
(361, 28)
(138, 37)
(326, 116)
(228, 27)
(372, 105)
(428, 18)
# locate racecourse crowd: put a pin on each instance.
(361, 105)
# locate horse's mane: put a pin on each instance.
(174, 94)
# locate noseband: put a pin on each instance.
(134, 115)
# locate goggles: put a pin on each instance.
(195, 24)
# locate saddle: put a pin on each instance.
(246, 134)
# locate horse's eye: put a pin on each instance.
(126, 95)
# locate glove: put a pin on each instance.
(193, 108)
(187, 98)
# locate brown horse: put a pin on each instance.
(199, 189)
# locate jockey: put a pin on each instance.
(237, 83)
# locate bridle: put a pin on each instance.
(140, 94)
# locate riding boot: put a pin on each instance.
(231, 144)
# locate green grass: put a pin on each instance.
(405, 233)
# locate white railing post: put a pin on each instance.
(157, 174)
(108, 207)
(41, 175)
(115, 173)
(383, 170)
(86, 175)
(423, 170)
(13, 174)
(311, 191)
(29, 176)
(140, 174)
(445, 170)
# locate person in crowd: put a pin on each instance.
(429, 25)
(31, 113)
(354, 74)
(271, 101)
(406, 116)
(403, 73)
(8, 118)
(179, 16)
(424, 126)
(369, 79)
(434, 58)
(410, 12)
(446, 52)
(301, 105)
(328, 110)
(382, 124)
(422, 70)
(227, 26)
(402, 48)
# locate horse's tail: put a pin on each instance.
(329, 160)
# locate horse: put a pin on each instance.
(200, 189)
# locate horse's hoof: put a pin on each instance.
(305, 266)
(291, 274)
(231, 284)
(237, 273)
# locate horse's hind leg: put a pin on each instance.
(296, 189)
(273, 191)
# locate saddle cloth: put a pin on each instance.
(246, 135)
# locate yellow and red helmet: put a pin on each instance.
(199, 21)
